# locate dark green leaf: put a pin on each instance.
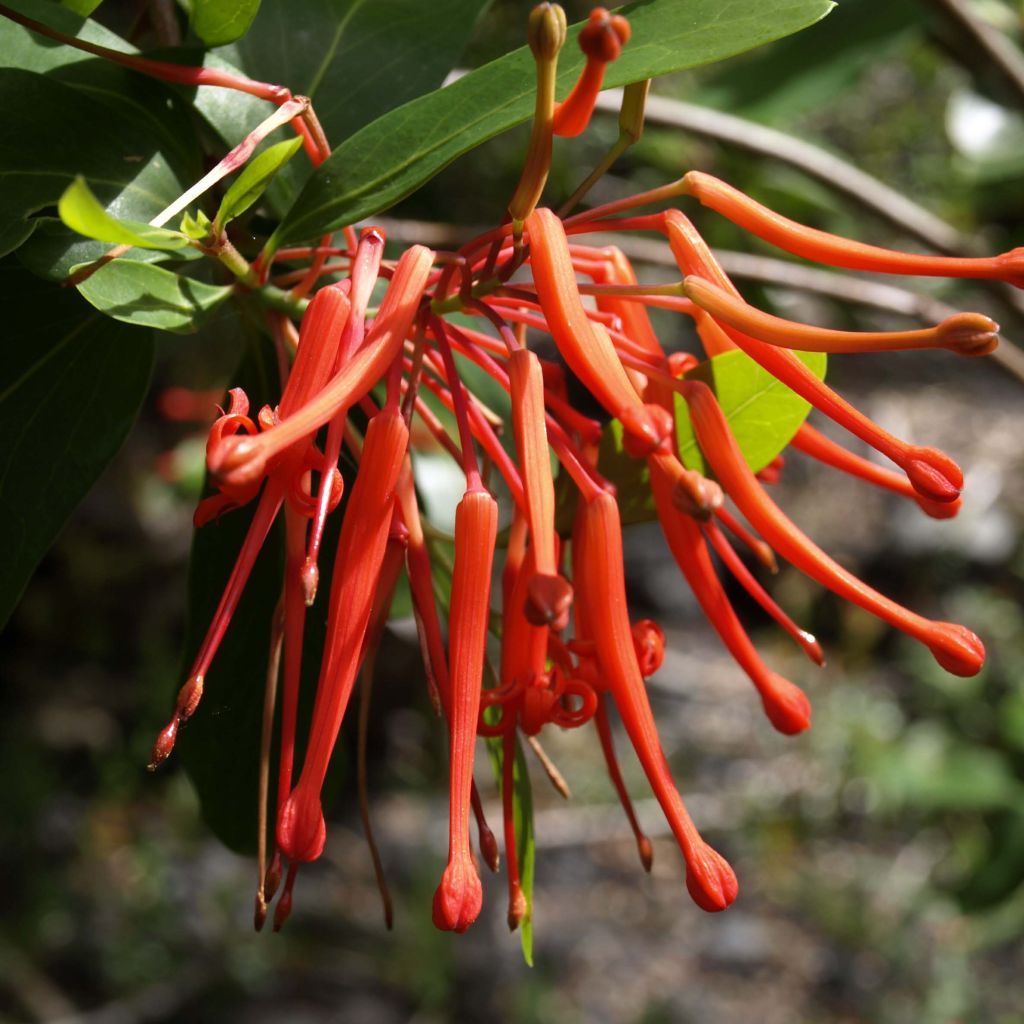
(254, 179)
(81, 211)
(763, 413)
(222, 21)
(123, 133)
(82, 7)
(356, 59)
(140, 293)
(394, 155)
(20, 48)
(72, 385)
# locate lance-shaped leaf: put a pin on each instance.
(73, 383)
(254, 179)
(397, 153)
(81, 211)
(140, 293)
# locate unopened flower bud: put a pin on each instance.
(546, 30)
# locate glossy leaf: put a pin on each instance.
(393, 156)
(254, 179)
(356, 59)
(73, 384)
(763, 413)
(140, 293)
(125, 134)
(81, 211)
(222, 21)
(81, 7)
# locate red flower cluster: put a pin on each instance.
(568, 648)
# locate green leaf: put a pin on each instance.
(356, 59)
(222, 21)
(522, 814)
(127, 135)
(140, 293)
(763, 413)
(254, 179)
(197, 227)
(397, 153)
(21, 48)
(81, 211)
(73, 384)
(82, 7)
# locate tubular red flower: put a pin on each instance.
(459, 896)
(844, 252)
(955, 648)
(710, 880)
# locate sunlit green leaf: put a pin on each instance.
(81, 211)
(763, 413)
(222, 21)
(140, 293)
(254, 179)
(393, 156)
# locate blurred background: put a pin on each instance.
(880, 855)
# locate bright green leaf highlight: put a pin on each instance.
(140, 293)
(254, 179)
(81, 211)
(217, 22)
(197, 227)
(82, 7)
(763, 413)
(393, 156)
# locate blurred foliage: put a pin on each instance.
(881, 856)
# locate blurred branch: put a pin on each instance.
(1005, 57)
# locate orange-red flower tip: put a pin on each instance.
(237, 461)
(548, 601)
(459, 897)
(516, 907)
(710, 880)
(1011, 265)
(812, 648)
(310, 574)
(696, 495)
(939, 509)
(933, 474)
(301, 831)
(649, 644)
(956, 648)
(604, 35)
(283, 910)
(786, 705)
(647, 429)
(969, 334)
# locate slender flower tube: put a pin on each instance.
(601, 40)
(784, 703)
(585, 346)
(710, 880)
(361, 547)
(835, 251)
(967, 334)
(815, 444)
(549, 595)
(459, 897)
(244, 458)
(954, 647)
